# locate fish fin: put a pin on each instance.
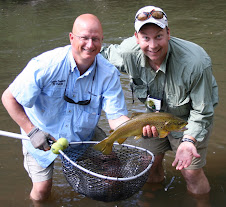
(121, 140)
(163, 133)
(104, 146)
(137, 137)
(182, 129)
(166, 123)
(134, 114)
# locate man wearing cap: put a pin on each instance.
(176, 75)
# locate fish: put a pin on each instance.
(164, 123)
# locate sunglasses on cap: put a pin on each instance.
(146, 15)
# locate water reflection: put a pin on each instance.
(28, 28)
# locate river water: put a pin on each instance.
(30, 27)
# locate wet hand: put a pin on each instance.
(185, 152)
(150, 131)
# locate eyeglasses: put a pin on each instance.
(85, 102)
(86, 39)
(146, 15)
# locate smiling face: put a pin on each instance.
(153, 41)
(86, 39)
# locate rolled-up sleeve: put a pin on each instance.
(25, 88)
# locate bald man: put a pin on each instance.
(61, 93)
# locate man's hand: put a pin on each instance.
(150, 131)
(185, 152)
(39, 139)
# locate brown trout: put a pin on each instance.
(164, 123)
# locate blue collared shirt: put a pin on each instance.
(40, 88)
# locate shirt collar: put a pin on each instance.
(72, 61)
(91, 68)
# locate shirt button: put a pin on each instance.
(69, 111)
(66, 125)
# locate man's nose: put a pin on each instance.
(152, 43)
(89, 42)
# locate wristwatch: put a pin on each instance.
(187, 140)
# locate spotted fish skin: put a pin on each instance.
(164, 123)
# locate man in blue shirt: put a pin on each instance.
(61, 93)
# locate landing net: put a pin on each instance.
(107, 178)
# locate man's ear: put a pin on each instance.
(136, 35)
(168, 32)
(71, 37)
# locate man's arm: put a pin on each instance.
(16, 111)
(113, 123)
(115, 53)
(202, 113)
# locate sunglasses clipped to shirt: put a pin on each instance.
(85, 102)
(146, 15)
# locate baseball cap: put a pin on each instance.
(148, 13)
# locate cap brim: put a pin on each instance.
(139, 24)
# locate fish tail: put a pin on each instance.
(104, 146)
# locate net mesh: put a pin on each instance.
(123, 162)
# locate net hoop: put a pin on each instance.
(109, 177)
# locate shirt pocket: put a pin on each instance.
(57, 92)
(178, 106)
(51, 101)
